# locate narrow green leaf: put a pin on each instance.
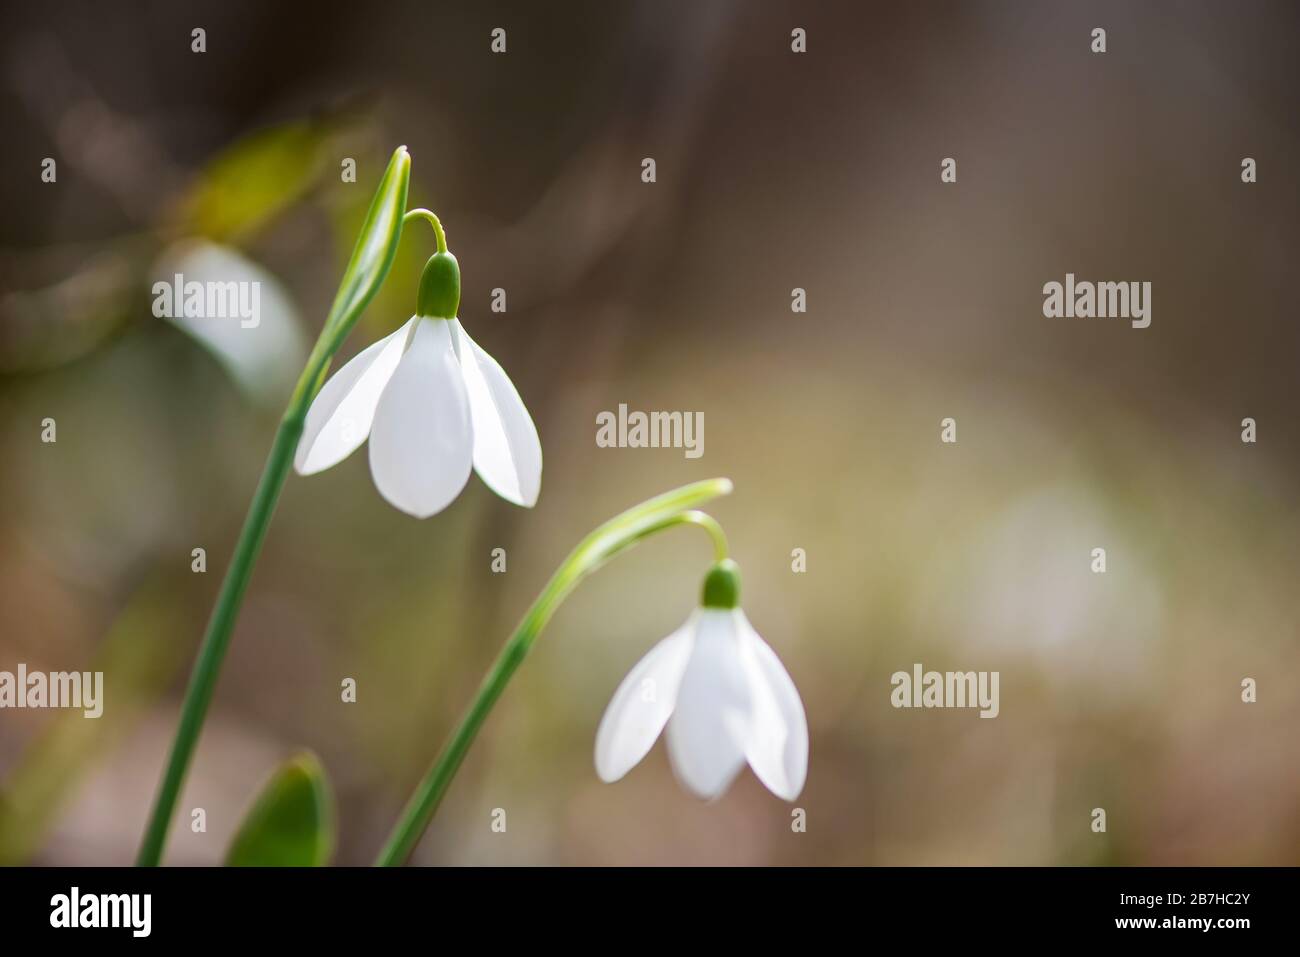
(292, 822)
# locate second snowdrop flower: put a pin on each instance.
(433, 405)
(724, 696)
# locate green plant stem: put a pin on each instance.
(439, 236)
(615, 536)
(710, 525)
(372, 258)
(216, 639)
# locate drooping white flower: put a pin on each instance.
(433, 405)
(724, 696)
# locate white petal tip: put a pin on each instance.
(415, 512)
(705, 785)
(516, 499)
(303, 467)
(706, 796)
(790, 795)
(418, 503)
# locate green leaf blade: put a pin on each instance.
(375, 250)
(291, 824)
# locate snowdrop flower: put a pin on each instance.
(724, 695)
(432, 404)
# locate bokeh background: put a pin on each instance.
(775, 170)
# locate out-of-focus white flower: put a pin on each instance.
(262, 348)
(725, 697)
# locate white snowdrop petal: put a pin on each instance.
(640, 707)
(507, 451)
(777, 746)
(709, 725)
(421, 442)
(340, 416)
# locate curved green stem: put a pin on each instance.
(615, 536)
(439, 236)
(710, 525)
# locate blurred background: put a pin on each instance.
(774, 170)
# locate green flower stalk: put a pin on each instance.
(370, 263)
(620, 533)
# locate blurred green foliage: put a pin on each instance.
(138, 657)
(291, 824)
(243, 188)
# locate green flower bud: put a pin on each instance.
(439, 296)
(722, 585)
